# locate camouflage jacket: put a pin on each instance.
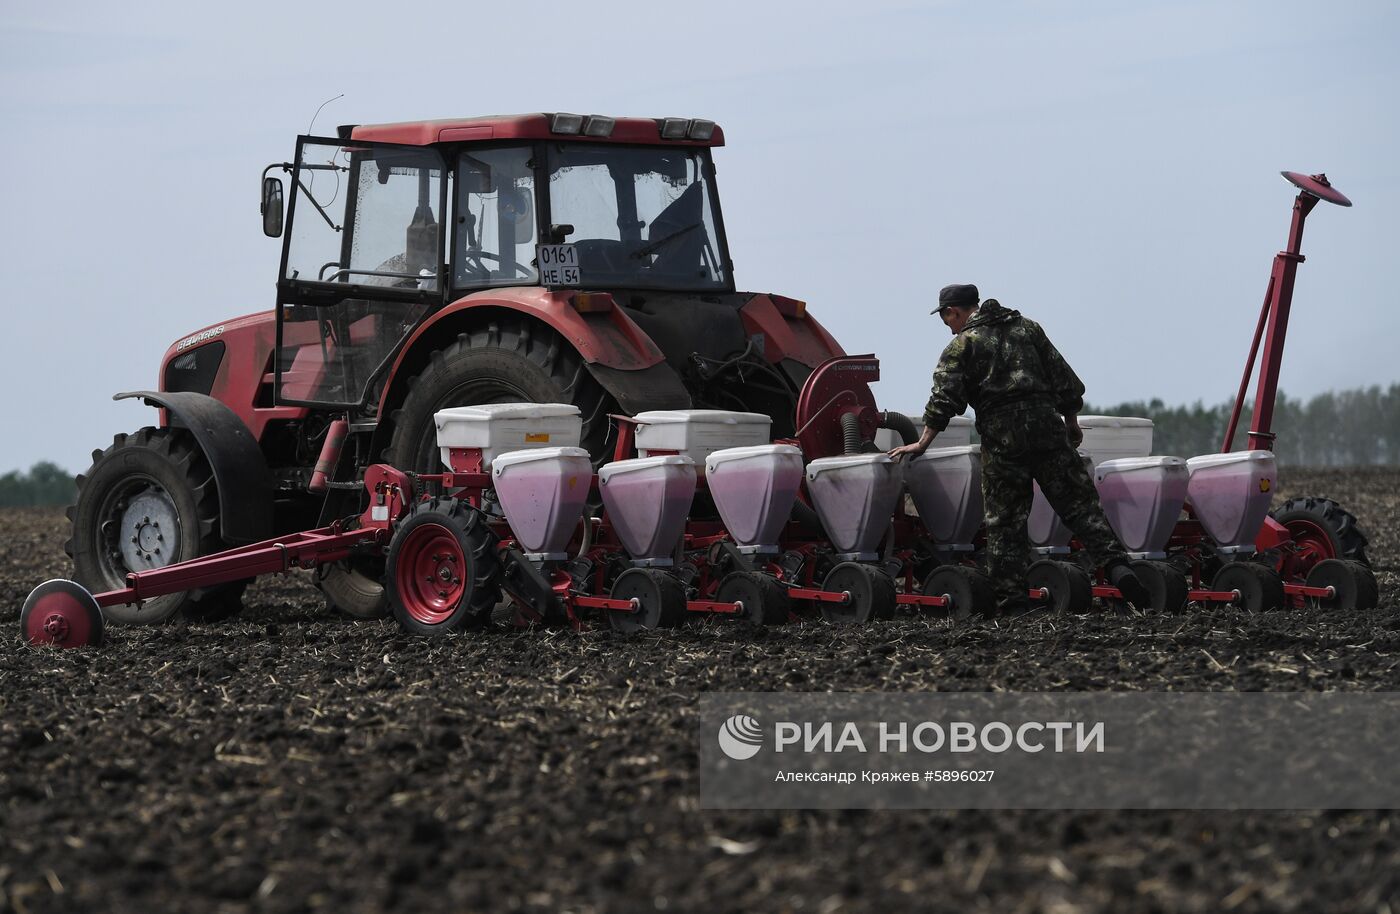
(1001, 361)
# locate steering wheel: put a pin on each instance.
(524, 271)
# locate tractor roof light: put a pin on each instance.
(701, 129)
(599, 126)
(674, 128)
(565, 123)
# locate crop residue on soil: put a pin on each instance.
(294, 760)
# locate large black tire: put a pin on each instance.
(508, 360)
(443, 574)
(137, 488)
(1324, 529)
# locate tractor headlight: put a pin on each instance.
(597, 125)
(566, 123)
(701, 129)
(674, 128)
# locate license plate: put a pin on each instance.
(558, 264)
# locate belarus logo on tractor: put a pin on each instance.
(487, 330)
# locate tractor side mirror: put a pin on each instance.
(272, 207)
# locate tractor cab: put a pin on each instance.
(387, 224)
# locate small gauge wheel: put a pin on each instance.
(1348, 591)
(872, 594)
(765, 600)
(1167, 589)
(1368, 591)
(659, 596)
(1259, 587)
(1068, 586)
(968, 590)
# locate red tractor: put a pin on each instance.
(538, 257)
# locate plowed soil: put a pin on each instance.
(294, 760)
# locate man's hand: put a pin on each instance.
(913, 450)
(1076, 434)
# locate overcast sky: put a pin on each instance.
(1111, 168)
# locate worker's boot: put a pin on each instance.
(1122, 576)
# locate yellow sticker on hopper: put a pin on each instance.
(537, 438)
(1263, 485)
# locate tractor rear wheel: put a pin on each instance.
(148, 501)
(506, 361)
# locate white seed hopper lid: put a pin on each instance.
(1216, 460)
(485, 412)
(1113, 422)
(713, 416)
(1128, 464)
(824, 464)
(618, 467)
(743, 453)
(943, 453)
(511, 458)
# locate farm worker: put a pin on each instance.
(1004, 366)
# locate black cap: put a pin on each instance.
(962, 295)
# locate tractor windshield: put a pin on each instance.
(641, 217)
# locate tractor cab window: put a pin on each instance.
(366, 216)
(495, 239)
(642, 217)
(364, 255)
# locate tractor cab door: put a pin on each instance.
(362, 265)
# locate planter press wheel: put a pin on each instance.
(968, 590)
(659, 596)
(1069, 586)
(61, 613)
(1167, 587)
(765, 600)
(872, 594)
(1259, 586)
(1353, 584)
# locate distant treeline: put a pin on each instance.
(1346, 428)
(45, 484)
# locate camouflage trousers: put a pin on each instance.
(1019, 447)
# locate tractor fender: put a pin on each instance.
(618, 353)
(240, 470)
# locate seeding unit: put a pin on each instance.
(708, 511)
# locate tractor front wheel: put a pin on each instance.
(149, 501)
